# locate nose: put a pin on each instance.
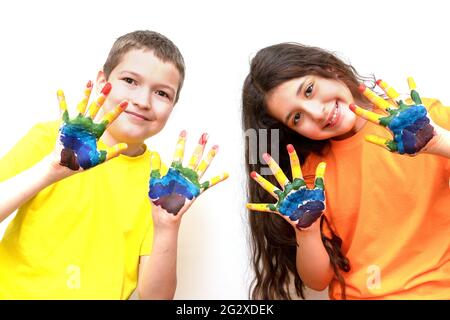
(315, 110)
(142, 98)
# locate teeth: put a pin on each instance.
(334, 115)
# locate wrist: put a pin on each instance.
(312, 231)
(440, 143)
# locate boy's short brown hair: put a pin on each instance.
(160, 45)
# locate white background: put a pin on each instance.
(46, 45)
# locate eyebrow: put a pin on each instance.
(296, 94)
(140, 77)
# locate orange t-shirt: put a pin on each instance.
(392, 213)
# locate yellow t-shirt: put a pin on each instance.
(392, 213)
(80, 238)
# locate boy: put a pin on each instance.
(88, 234)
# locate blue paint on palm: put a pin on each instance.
(299, 198)
(172, 182)
(412, 129)
(83, 143)
(304, 205)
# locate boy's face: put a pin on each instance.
(150, 86)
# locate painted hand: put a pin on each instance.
(181, 185)
(297, 204)
(409, 125)
(78, 136)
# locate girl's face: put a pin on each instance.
(315, 107)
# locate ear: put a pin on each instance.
(101, 81)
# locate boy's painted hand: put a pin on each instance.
(297, 204)
(78, 136)
(409, 125)
(176, 190)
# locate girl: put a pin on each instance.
(384, 232)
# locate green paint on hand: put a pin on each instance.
(189, 174)
(319, 183)
(155, 174)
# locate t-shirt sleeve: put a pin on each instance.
(33, 147)
(440, 114)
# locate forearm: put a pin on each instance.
(19, 189)
(313, 261)
(158, 279)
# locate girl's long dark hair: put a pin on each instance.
(273, 241)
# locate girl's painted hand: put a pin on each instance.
(78, 136)
(180, 186)
(296, 203)
(410, 126)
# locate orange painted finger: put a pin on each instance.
(261, 207)
(388, 144)
(368, 115)
(204, 164)
(276, 170)
(295, 163)
(198, 152)
(265, 184)
(116, 150)
(62, 105)
(113, 114)
(213, 181)
(374, 98)
(179, 149)
(390, 92)
(320, 174)
(81, 108)
(98, 103)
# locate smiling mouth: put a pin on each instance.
(333, 117)
(137, 115)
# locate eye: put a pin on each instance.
(309, 90)
(130, 81)
(162, 94)
(296, 118)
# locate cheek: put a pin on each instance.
(349, 117)
(162, 110)
(309, 130)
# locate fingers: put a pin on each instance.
(374, 98)
(198, 152)
(386, 143)
(366, 114)
(81, 108)
(266, 185)
(155, 161)
(97, 104)
(206, 162)
(390, 92)
(115, 150)
(320, 173)
(213, 181)
(262, 207)
(276, 170)
(62, 105)
(295, 163)
(414, 94)
(179, 149)
(113, 114)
